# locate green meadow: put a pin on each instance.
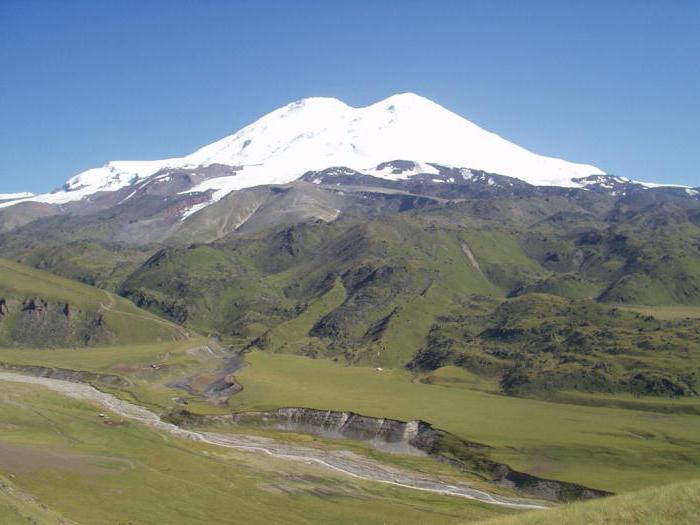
(148, 367)
(607, 448)
(612, 442)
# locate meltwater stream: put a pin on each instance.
(344, 462)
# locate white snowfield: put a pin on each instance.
(14, 196)
(318, 133)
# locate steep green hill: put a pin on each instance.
(39, 309)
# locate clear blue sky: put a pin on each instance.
(616, 84)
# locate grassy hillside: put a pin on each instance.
(43, 310)
(537, 344)
(615, 443)
(144, 383)
(18, 507)
(413, 290)
(678, 503)
(104, 265)
(395, 276)
(636, 447)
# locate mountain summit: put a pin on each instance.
(317, 133)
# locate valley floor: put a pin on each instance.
(69, 450)
(65, 462)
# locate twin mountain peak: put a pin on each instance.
(401, 137)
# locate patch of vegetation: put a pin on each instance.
(410, 281)
(146, 370)
(539, 344)
(395, 281)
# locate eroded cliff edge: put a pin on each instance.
(400, 436)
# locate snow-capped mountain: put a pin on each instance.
(317, 133)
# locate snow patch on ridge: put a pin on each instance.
(658, 185)
(194, 209)
(15, 196)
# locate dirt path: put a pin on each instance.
(344, 462)
(152, 318)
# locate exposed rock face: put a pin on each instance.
(34, 305)
(35, 322)
(415, 437)
(400, 436)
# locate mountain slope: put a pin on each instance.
(428, 285)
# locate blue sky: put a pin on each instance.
(616, 84)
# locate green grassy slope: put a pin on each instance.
(613, 449)
(398, 275)
(18, 507)
(146, 384)
(41, 309)
(678, 503)
(101, 264)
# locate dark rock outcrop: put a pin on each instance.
(65, 374)
(38, 323)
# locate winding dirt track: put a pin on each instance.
(344, 462)
(152, 318)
